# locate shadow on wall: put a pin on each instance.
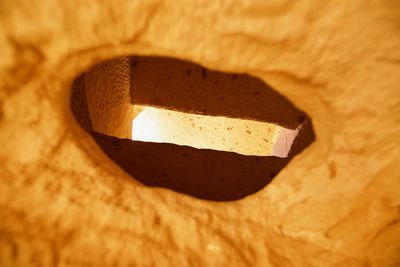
(184, 86)
(188, 87)
(203, 173)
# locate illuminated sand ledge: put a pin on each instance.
(242, 136)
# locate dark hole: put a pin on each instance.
(102, 101)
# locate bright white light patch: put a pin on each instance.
(147, 126)
(246, 137)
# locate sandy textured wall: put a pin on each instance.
(188, 87)
(107, 89)
(336, 204)
(181, 85)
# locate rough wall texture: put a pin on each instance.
(336, 204)
(159, 81)
(103, 100)
(203, 173)
(112, 112)
(213, 172)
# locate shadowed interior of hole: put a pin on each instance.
(103, 101)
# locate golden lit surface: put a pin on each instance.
(64, 203)
(246, 137)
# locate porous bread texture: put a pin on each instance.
(336, 204)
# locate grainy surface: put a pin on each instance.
(102, 107)
(203, 173)
(110, 113)
(336, 204)
(158, 81)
